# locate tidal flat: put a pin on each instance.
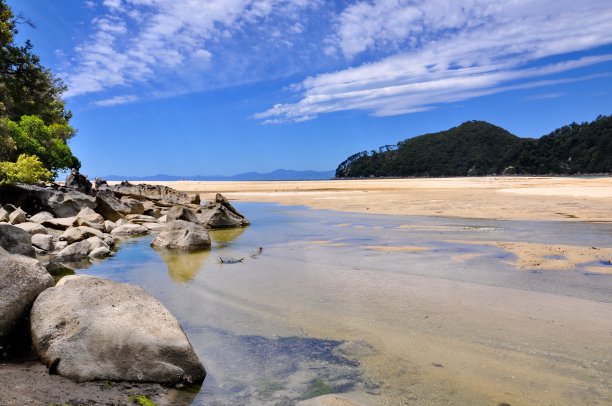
(387, 310)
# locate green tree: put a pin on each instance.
(27, 169)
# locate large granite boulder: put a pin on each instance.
(88, 329)
(80, 233)
(21, 280)
(15, 240)
(79, 182)
(181, 213)
(221, 214)
(109, 205)
(161, 194)
(182, 235)
(43, 242)
(74, 252)
(89, 218)
(59, 201)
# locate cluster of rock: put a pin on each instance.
(88, 328)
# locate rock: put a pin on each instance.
(129, 230)
(163, 219)
(140, 219)
(18, 216)
(181, 213)
(43, 242)
(100, 253)
(40, 217)
(33, 228)
(153, 212)
(354, 349)
(95, 243)
(136, 207)
(100, 183)
(88, 329)
(4, 215)
(89, 218)
(161, 194)
(109, 226)
(79, 182)
(59, 245)
(9, 208)
(15, 240)
(21, 280)
(60, 223)
(221, 214)
(80, 233)
(154, 226)
(73, 252)
(182, 235)
(61, 202)
(109, 206)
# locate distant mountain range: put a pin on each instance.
(279, 174)
(477, 148)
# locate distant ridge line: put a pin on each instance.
(279, 174)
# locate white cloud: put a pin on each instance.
(439, 51)
(162, 41)
(116, 100)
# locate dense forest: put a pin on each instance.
(477, 148)
(34, 123)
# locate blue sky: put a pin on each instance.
(228, 86)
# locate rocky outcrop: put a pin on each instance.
(79, 182)
(109, 206)
(160, 194)
(61, 202)
(21, 280)
(182, 235)
(15, 240)
(221, 214)
(135, 206)
(89, 329)
(181, 213)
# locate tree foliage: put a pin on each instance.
(27, 169)
(477, 148)
(33, 117)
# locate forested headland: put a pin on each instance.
(478, 148)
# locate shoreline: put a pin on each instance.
(494, 198)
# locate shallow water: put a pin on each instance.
(384, 308)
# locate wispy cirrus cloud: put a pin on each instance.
(116, 100)
(164, 43)
(433, 52)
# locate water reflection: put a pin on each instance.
(223, 237)
(183, 266)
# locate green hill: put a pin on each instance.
(477, 148)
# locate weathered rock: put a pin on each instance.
(153, 212)
(161, 194)
(95, 243)
(182, 235)
(100, 253)
(221, 214)
(43, 242)
(181, 213)
(18, 216)
(87, 329)
(89, 218)
(33, 228)
(79, 182)
(4, 215)
(73, 252)
(109, 226)
(59, 245)
(21, 280)
(129, 230)
(100, 183)
(40, 217)
(60, 223)
(154, 226)
(15, 240)
(9, 208)
(136, 207)
(109, 206)
(61, 202)
(80, 233)
(140, 219)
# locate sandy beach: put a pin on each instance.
(500, 198)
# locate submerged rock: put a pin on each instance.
(87, 329)
(182, 235)
(15, 240)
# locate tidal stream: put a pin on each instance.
(390, 310)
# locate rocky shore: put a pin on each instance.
(86, 328)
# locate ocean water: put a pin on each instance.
(386, 309)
